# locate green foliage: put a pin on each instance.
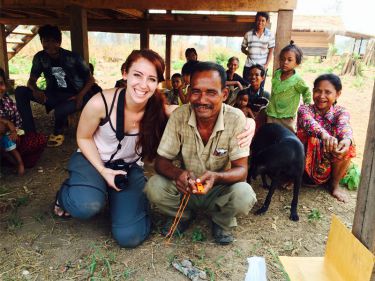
(314, 215)
(198, 235)
(221, 58)
(20, 65)
(332, 50)
(22, 201)
(352, 177)
(41, 83)
(177, 65)
(92, 60)
(100, 265)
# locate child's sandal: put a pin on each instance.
(55, 140)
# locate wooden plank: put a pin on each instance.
(364, 217)
(145, 38)
(131, 12)
(168, 51)
(78, 32)
(193, 5)
(3, 51)
(283, 34)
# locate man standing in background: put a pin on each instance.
(258, 44)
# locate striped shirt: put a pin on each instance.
(258, 47)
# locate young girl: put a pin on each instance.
(10, 121)
(29, 146)
(287, 89)
(242, 102)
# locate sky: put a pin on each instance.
(357, 15)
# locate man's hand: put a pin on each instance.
(185, 182)
(208, 180)
(39, 96)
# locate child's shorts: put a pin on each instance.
(7, 144)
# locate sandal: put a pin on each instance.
(55, 140)
(56, 213)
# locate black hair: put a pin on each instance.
(190, 50)
(91, 67)
(2, 75)
(233, 58)
(295, 49)
(176, 75)
(262, 14)
(331, 78)
(258, 66)
(187, 68)
(206, 66)
(49, 31)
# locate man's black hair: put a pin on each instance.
(190, 50)
(50, 31)
(262, 14)
(258, 66)
(207, 66)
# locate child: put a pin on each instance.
(242, 101)
(186, 71)
(287, 88)
(177, 84)
(8, 136)
(29, 146)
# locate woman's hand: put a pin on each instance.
(342, 148)
(245, 138)
(329, 143)
(109, 176)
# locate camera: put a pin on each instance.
(121, 181)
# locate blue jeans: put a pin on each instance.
(24, 96)
(84, 193)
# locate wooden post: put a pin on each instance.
(3, 51)
(364, 217)
(283, 34)
(168, 44)
(145, 38)
(78, 31)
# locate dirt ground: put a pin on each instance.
(37, 246)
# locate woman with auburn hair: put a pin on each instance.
(115, 133)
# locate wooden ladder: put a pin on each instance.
(17, 37)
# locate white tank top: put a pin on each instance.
(106, 141)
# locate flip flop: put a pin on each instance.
(64, 215)
(55, 140)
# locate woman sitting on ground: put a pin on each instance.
(100, 166)
(325, 131)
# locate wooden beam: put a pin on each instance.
(283, 34)
(364, 217)
(168, 51)
(217, 5)
(145, 38)
(78, 31)
(3, 51)
(131, 12)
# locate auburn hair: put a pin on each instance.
(154, 119)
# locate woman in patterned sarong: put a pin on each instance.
(325, 131)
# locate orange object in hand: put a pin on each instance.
(199, 185)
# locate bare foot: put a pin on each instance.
(340, 195)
